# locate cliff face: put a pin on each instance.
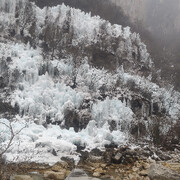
(159, 15)
(62, 66)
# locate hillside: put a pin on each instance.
(70, 80)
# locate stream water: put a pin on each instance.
(79, 174)
(76, 174)
(34, 176)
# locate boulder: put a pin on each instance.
(59, 166)
(96, 174)
(117, 158)
(143, 173)
(55, 175)
(99, 170)
(159, 172)
(173, 166)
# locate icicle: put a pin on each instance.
(122, 69)
(147, 110)
(151, 107)
(142, 110)
(160, 106)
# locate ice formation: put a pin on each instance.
(42, 95)
(111, 110)
(42, 88)
(37, 143)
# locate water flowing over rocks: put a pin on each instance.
(79, 174)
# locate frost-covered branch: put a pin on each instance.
(12, 136)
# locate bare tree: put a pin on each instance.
(4, 147)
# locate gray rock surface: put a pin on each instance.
(159, 172)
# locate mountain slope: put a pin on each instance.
(62, 66)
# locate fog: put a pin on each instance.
(161, 18)
(157, 21)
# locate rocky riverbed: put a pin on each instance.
(114, 163)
